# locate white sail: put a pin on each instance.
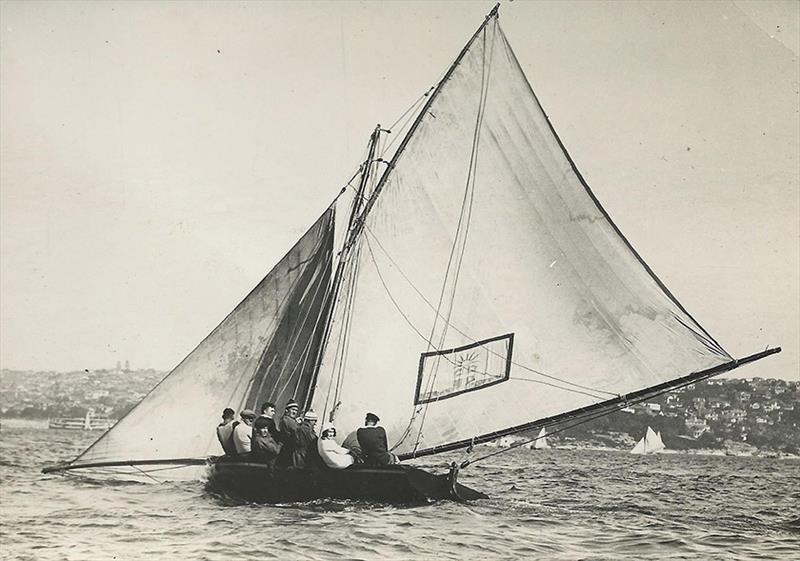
(489, 288)
(650, 443)
(264, 349)
(541, 440)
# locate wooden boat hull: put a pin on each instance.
(398, 484)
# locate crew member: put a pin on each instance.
(265, 449)
(372, 439)
(224, 430)
(305, 454)
(242, 434)
(268, 413)
(289, 433)
(331, 454)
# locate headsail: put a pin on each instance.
(490, 288)
(265, 348)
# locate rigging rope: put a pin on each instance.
(472, 339)
(464, 218)
(422, 336)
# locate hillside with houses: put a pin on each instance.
(739, 415)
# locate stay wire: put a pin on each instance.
(466, 205)
(472, 339)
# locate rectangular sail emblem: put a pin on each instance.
(451, 372)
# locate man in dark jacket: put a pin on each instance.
(264, 448)
(289, 434)
(305, 454)
(268, 413)
(372, 439)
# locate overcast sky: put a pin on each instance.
(158, 158)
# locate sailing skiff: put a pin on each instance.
(466, 287)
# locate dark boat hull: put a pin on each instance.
(397, 484)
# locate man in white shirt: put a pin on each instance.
(243, 432)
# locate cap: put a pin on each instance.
(310, 415)
(292, 405)
(247, 413)
(372, 417)
(261, 422)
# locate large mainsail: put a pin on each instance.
(264, 349)
(489, 288)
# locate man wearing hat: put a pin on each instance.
(243, 432)
(372, 439)
(305, 454)
(225, 430)
(289, 433)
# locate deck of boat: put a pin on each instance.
(399, 484)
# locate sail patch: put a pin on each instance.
(451, 372)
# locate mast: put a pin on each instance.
(353, 222)
(400, 149)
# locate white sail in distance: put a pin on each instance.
(541, 440)
(488, 288)
(650, 443)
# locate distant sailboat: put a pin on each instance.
(469, 287)
(650, 443)
(541, 441)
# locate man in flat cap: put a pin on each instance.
(289, 433)
(372, 439)
(305, 453)
(243, 432)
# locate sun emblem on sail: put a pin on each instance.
(451, 372)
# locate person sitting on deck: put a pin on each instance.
(225, 429)
(268, 413)
(242, 433)
(351, 444)
(265, 448)
(372, 439)
(305, 454)
(333, 455)
(289, 433)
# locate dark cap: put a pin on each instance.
(372, 417)
(228, 413)
(261, 423)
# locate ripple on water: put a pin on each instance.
(558, 504)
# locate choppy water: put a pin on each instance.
(553, 504)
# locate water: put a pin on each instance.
(552, 504)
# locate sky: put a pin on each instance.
(157, 158)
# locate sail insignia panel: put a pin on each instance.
(452, 372)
